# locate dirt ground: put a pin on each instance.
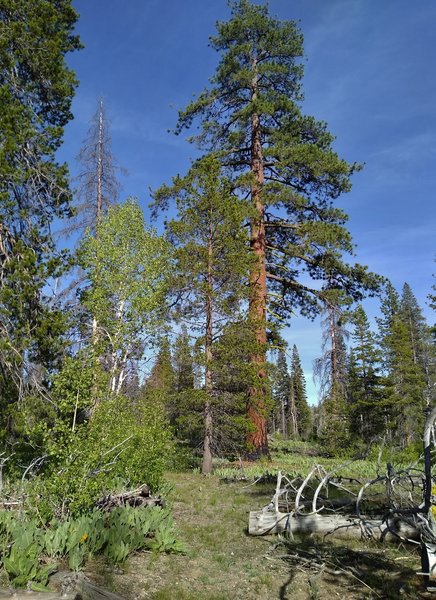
(222, 562)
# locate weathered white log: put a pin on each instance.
(6, 594)
(428, 428)
(268, 522)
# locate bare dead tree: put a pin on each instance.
(330, 371)
(98, 186)
(330, 367)
(97, 190)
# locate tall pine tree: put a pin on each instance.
(281, 394)
(283, 163)
(402, 337)
(162, 375)
(36, 90)
(422, 345)
(299, 414)
(331, 370)
(211, 267)
(184, 362)
(367, 410)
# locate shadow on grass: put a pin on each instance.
(364, 573)
(258, 493)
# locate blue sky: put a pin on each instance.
(369, 74)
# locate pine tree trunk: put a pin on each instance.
(208, 382)
(256, 410)
(293, 415)
(206, 466)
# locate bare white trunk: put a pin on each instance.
(118, 365)
(293, 414)
(122, 374)
(99, 205)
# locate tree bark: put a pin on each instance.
(256, 409)
(293, 417)
(208, 380)
(99, 199)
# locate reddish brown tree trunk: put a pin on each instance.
(206, 467)
(256, 409)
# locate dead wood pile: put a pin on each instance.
(392, 506)
(138, 498)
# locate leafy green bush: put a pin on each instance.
(125, 444)
(137, 433)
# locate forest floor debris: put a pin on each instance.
(223, 563)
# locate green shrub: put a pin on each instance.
(124, 445)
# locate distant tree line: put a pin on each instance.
(384, 381)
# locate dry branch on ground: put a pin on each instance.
(138, 498)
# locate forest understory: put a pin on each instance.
(222, 562)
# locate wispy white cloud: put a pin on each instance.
(404, 158)
(328, 20)
(136, 124)
(388, 237)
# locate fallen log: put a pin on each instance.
(263, 522)
(6, 594)
(84, 590)
(335, 504)
(70, 585)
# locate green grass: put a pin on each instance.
(223, 563)
(296, 458)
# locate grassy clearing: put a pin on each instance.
(297, 458)
(222, 562)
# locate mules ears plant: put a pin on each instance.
(22, 544)
(26, 546)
